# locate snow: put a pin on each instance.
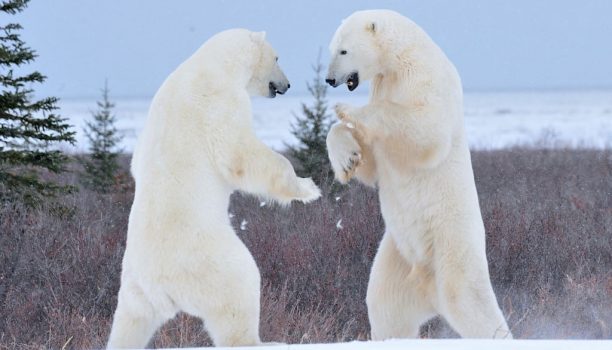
(578, 119)
(493, 119)
(449, 344)
(243, 225)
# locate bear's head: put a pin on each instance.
(362, 45)
(267, 78)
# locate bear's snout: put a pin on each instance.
(353, 81)
(278, 88)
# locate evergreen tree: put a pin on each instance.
(102, 166)
(311, 132)
(30, 131)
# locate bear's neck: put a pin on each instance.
(403, 86)
(410, 82)
(216, 68)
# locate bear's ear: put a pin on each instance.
(258, 37)
(372, 27)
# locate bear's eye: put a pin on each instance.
(276, 59)
(343, 52)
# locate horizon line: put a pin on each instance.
(365, 92)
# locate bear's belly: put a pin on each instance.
(412, 241)
(420, 206)
(410, 208)
(176, 214)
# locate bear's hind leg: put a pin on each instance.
(233, 322)
(135, 320)
(397, 300)
(227, 296)
(466, 298)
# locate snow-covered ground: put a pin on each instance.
(449, 344)
(493, 119)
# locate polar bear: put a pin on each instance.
(197, 147)
(410, 142)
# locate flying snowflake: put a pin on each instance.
(339, 225)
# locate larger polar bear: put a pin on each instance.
(197, 147)
(410, 141)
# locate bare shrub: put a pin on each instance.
(548, 216)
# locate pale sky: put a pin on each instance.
(135, 44)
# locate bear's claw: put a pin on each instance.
(349, 169)
(341, 110)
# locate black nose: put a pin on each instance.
(288, 85)
(331, 82)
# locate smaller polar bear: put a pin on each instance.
(409, 140)
(197, 147)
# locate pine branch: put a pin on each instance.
(50, 160)
(13, 6)
(28, 129)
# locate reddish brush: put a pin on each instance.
(549, 243)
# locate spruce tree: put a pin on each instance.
(311, 130)
(30, 130)
(102, 166)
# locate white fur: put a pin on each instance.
(198, 146)
(410, 141)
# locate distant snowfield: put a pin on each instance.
(493, 120)
(448, 344)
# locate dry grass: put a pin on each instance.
(548, 216)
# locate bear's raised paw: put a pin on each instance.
(308, 190)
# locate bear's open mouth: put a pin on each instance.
(353, 81)
(274, 90)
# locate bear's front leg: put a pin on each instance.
(261, 171)
(344, 152)
(353, 118)
(276, 175)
